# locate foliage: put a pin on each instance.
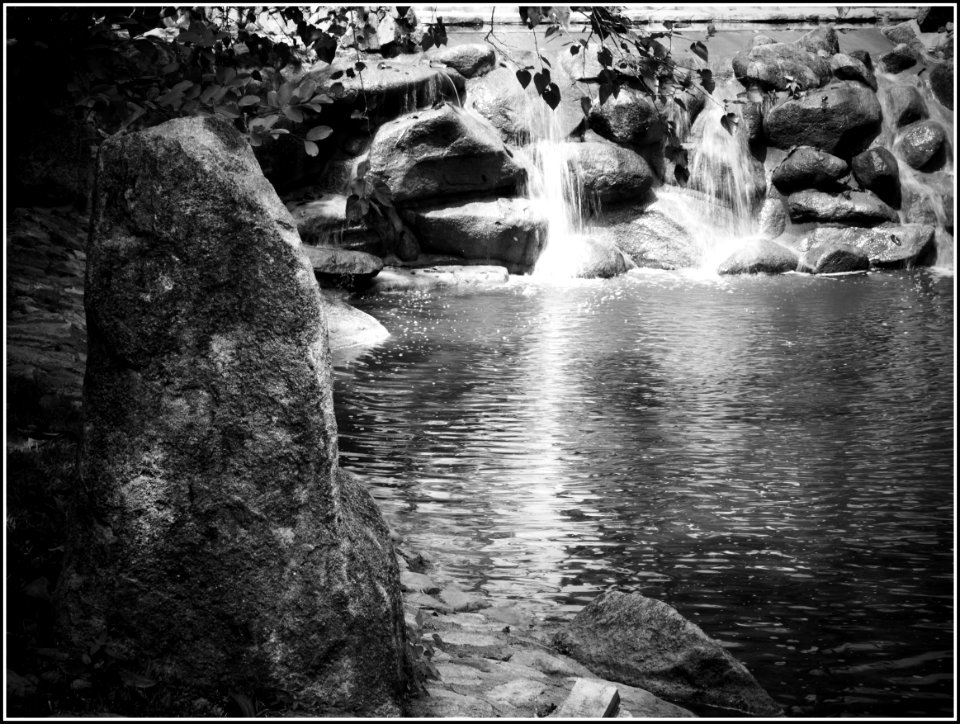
(421, 651)
(630, 57)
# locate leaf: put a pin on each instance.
(336, 74)
(318, 133)
(706, 80)
(541, 80)
(321, 98)
(730, 122)
(170, 68)
(306, 90)
(249, 101)
(545, 61)
(524, 77)
(605, 57)
(182, 86)
(700, 50)
(427, 42)
(229, 110)
(311, 148)
(360, 66)
(363, 167)
(585, 105)
(680, 103)
(293, 113)
(605, 91)
(552, 95)
(284, 94)
(574, 49)
(135, 680)
(225, 75)
(357, 113)
(552, 30)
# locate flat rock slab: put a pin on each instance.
(590, 699)
(887, 247)
(760, 257)
(396, 279)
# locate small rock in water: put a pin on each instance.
(590, 699)
(410, 581)
(462, 601)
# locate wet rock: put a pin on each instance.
(877, 170)
(922, 145)
(341, 267)
(773, 218)
(822, 39)
(349, 327)
(773, 65)
(751, 118)
(930, 202)
(841, 118)
(933, 19)
(410, 581)
(646, 643)
(629, 117)
(457, 600)
(601, 259)
(761, 39)
(590, 699)
(809, 168)
(653, 239)
(608, 172)
(520, 114)
(760, 257)
(899, 59)
(903, 33)
(505, 231)
(470, 60)
(444, 703)
(442, 152)
(850, 207)
(846, 67)
(890, 246)
(942, 83)
(210, 444)
(323, 222)
(393, 279)
(863, 56)
(905, 104)
(833, 258)
(388, 88)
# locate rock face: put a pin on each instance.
(441, 152)
(646, 643)
(652, 240)
(773, 218)
(942, 83)
(471, 60)
(877, 170)
(922, 145)
(905, 104)
(809, 168)
(609, 172)
(629, 117)
(760, 257)
(842, 119)
(772, 65)
(215, 535)
(888, 247)
(854, 207)
(833, 258)
(503, 231)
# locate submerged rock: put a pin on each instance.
(922, 145)
(442, 152)
(887, 247)
(773, 66)
(809, 168)
(601, 259)
(850, 207)
(877, 170)
(504, 231)
(214, 535)
(470, 60)
(905, 104)
(831, 258)
(760, 257)
(646, 643)
(841, 118)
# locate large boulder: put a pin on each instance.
(644, 642)
(890, 246)
(821, 40)
(833, 258)
(470, 60)
(505, 231)
(760, 256)
(629, 117)
(877, 170)
(923, 145)
(774, 66)
(343, 267)
(809, 168)
(519, 114)
(942, 83)
(442, 152)
(846, 67)
(214, 535)
(931, 19)
(904, 104)
(904, 33)
(850, 207)
(841, 118)
(653, 239)
(607, 172)
(900, 58)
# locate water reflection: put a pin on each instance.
(772, 456)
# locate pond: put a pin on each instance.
(772, 456)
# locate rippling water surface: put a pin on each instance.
(773, 456)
